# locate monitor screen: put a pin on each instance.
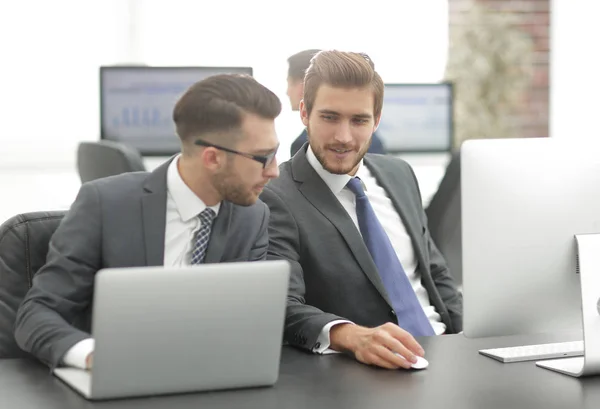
(523, 200)
(136, 103)
(417, 118)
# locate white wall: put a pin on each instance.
(407, 40)
(51, 52)
(575, 70)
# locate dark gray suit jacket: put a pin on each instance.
(117, 222)
(333, 274)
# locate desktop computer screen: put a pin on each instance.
(523, 202)
(136, 103)
(417, 118)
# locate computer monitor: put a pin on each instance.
(136, 103)
(523, 201)
(417, 118)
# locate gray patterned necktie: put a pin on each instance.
(203, 235)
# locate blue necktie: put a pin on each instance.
(409, 312)
(203, 235)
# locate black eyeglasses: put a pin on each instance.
(266, 160)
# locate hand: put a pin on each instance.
(377, 346)
(89, 360)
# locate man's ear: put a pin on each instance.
(211, 158)
(377, 120)
(303, 113)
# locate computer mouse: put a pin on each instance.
(421, 363)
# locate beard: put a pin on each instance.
(338, 166)
(232, 189)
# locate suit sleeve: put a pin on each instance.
(63, 287)
(258, 251)
(444, 283)
(303, 323)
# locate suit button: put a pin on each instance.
(318, 345)
(393, 313)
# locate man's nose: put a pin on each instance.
(343, 133)
(272, 171)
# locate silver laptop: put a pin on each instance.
(162, 330)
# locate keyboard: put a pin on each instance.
(535, 352)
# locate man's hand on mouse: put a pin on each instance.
(89, 361)
(377, 346)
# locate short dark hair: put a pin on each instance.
(299, 62)
(218, 103)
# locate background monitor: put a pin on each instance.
(523, 201)
(136, 103)
(417, 118)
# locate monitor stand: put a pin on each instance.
(588, 254)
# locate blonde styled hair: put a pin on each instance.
(341, 69)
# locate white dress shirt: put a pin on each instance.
(182, 223)
(394, 228)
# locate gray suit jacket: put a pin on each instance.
(333, 274)
(117, 222)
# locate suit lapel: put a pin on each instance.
(322, 198)
(218, 235)
(154, 212)
(393, 187)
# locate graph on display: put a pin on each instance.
(137, 103)
(141, 117)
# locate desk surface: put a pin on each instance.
(457, 377)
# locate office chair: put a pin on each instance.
(100, 159)
(23, 248)
(444, 218)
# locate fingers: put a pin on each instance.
(386, 338)
(388, 356)
(407, 340)
(89, 361)
(393, 345)
(381, 356)
(387, 346)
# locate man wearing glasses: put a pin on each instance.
(201, 206)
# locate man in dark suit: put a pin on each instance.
(297, 66)
(366, 276)
(200, 207)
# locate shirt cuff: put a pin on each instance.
(78, 353)
(323, 341)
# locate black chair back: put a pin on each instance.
(100, 159)
(444, 218)
(24, 243)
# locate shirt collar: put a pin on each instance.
(335, 182)
(186, 202)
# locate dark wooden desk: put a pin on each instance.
(457, 377)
